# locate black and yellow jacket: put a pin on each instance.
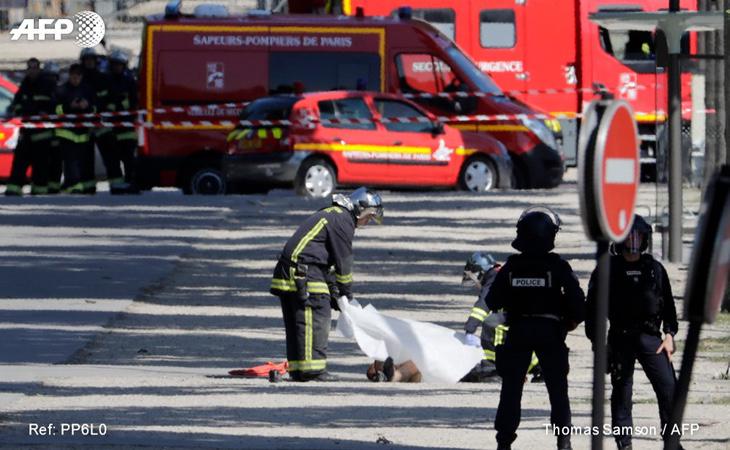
(323, 241)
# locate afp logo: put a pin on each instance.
(89, 27)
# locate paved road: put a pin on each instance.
(130, 311)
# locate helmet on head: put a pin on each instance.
(51, 67)
(361, 203)
(477, 265)
(536, 230)
(87, 53)
(637, 241)
(118, 56)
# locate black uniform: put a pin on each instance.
(301, 279)
(98, 82)
(542, 299)
(494, 329)
(641, 305)
(117, 145)
(35, 96)
(76, 143)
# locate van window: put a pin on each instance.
(443, 19)
(397, 109)
(497, 28)
(346, 108)
(5, 99)
(297, 72)
(422, 72)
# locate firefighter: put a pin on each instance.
(481, 269)
(640, 308)
(543, 301)
(52, 72)
(75, 97)
(35, 96)
(99, 84)
(301, 278)
(117, 146)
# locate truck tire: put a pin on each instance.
(478, 174)
(206, 181)
(315, 179)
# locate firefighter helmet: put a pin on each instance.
(477, 266)
(362, 202)
(87, 53)
(536, 230)
(118, 56)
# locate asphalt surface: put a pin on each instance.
(126, 313)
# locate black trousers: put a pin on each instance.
(33, 150)
(546, 338)
(625, 350)
(307, 324)
(75, 162)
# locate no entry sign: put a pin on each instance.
(608, 170)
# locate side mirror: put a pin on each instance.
(438, 128)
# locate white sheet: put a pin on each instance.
(442, 355)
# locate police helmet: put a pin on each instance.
(51, 68)
(118, 56)
(477, 265)
(361, 203)
(637, 241)
(87, 53)
(536, 230)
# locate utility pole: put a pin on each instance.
(675, 148)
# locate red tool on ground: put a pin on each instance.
(261, 371)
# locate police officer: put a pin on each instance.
(34, 96)
(640, 308)
(480, 270)
(75, 97)
(543, 301)
(98, 82)
(117, 146)
(301, 278)
(52, 72)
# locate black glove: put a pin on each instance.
(333, 303)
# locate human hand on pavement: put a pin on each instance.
(667, 346)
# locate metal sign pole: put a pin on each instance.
(599, 342)
(675, 150)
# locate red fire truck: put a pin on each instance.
(188, 61)
(538, 46)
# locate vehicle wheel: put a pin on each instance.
(478, 175)
(316, 179)
(207, 181)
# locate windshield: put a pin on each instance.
(480, 80)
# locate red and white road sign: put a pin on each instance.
(608, 169)
(616, 168)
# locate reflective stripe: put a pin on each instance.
(276, 132)
(489, 355)
(38, 190)
(310, 365)
(102, 131)
(261, 133)
(499, 334)
(102, 93)
(478, 313)
(89, 184)
(313, 287)
(344, 279)
(308, 333)
(78, 187)
(40, 98)
(71, 136)
(127, 136)
(43, 135)
(14, 188)
(117, 180)
(59, 109)
(533, 362)
(111, 107)
(54, 185)
(308, 237)
(125, 103)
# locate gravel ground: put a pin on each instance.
(146, 302)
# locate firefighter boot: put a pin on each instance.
(564, 442)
